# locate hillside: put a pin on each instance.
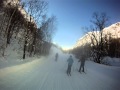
(113, 31)
(19, 28)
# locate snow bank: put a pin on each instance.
(112, 61)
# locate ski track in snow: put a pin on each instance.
(48, 74)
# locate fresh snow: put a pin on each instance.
(47, 74)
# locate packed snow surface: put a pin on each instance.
(47, 74)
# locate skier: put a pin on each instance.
(70, 62)
(82, 60)
(56, 56)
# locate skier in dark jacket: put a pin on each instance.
(70, 62)
(82, 64)
(56, 57)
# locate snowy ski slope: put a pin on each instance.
(47, 74)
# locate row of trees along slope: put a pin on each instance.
(27, 23)
(99, 42)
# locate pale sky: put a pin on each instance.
(72, 15)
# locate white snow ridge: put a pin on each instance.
(47, 74)
(113, 31)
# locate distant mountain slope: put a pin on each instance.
(113, 31)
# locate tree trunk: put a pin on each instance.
(24, 51)
(8, 34)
